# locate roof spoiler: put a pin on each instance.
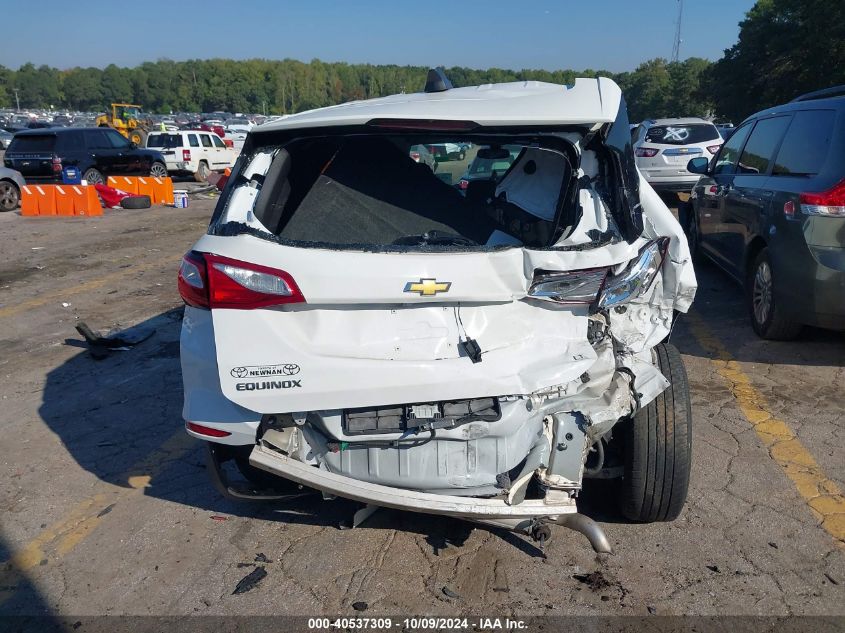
(835, 91)
(437, 81)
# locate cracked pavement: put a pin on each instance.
(106, 508)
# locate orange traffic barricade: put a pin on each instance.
(86, 201)
(160, 190)
(129, 184)
(46, 196)
(29, 201)
(65, 199)
(166, 190)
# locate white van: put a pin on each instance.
(193, 152)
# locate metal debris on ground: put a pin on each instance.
(250, 581)
(100, 346)
(451, 594)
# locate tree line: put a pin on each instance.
(656, 88)
(785, 47)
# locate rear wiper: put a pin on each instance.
(434, 238)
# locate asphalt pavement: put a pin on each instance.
(106, 508)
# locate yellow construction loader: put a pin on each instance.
(126, 119)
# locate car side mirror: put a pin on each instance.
(133, 145)
(699, 165)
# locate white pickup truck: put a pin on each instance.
(193, 152)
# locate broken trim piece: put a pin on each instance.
(402, 499)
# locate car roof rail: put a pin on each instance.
(437, 81)
(835, 91)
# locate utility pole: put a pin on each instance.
(676, 47)
(17, 99)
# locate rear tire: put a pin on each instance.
(93, 177)
(158, 170)
(767, 316)
(658, 447)
(202, 172)
(10, 195)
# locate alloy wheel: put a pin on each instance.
(93, 177)
(762, 292)
(158, 171)
(9, 196)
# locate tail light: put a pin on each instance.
(423, 124)
(186, 155)
(646, 152)
(193, 280)
(415, 156)
(571, 287)
(637, 278)
(713, 149)
(789, 209)
(213, 281)
(830, 203)
(57, 164)
(463, 183)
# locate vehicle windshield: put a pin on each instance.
(686, 134)
(407, 192)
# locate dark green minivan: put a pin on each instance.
(769, 209)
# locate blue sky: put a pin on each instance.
(614, 35)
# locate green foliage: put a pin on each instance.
(287, 86)
(785, 48)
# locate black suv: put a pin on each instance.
(41, 155)
(770, 210)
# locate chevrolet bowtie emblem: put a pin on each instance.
(428, 287)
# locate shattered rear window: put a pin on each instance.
(373, 191)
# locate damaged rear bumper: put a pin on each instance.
(525, 517)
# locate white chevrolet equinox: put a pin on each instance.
(357, 325)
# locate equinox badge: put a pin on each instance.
(428, 287)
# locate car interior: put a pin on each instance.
(361, 190)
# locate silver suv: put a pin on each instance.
(663, 147)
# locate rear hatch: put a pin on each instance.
(374, 281)
(32, 155)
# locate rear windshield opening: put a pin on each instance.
(31, 143)
(682, 134)
(385, 191)
(164, 140)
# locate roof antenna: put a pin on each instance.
(437, 80)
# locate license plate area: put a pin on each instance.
(419, 417)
